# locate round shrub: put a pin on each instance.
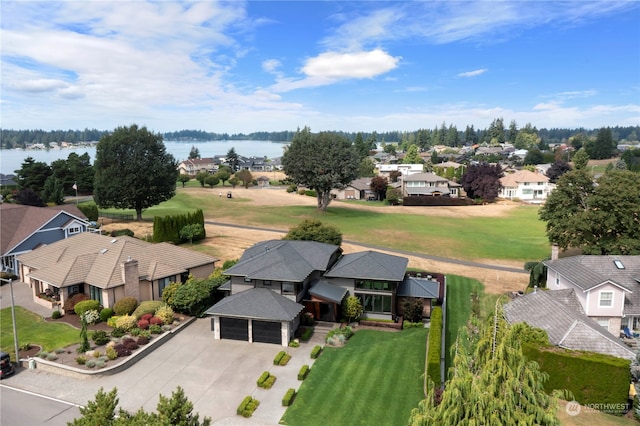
(165, 313)
(86, 305)
(121, 350)
(100, 337)
(51, 356)
(56, 315)
(100, 363)
(91, 363)
(126, 322)
(147, 307)
(130, 344)
(143, 324)
(155, 329)
(91, 316)
(135, 331)
(105, 314)
(142, 340)
(119, 232)
(146, 317)
(125, 306)
(82, 360)
(111, 322)
(112, 353)
(156, 321)
(118, 332)
(70, 303)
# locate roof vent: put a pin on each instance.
(114, 240)
(618, 264)
(103, 251)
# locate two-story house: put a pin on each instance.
(525, 185)
(428, 184)
(607, 287)
(193, 166)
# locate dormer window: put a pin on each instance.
(618, 264)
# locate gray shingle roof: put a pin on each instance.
(326, 291)
(565, 326)
(257, 303)
(419, 287)
(283, 260)
(588, 272)
(369, 265)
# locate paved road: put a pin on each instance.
(400, 252)
(20, 408)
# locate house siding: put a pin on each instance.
(594, 310)
(202, 271)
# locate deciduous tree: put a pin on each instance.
(557, 169)
(245, 176)
(184, 178)
(482, 181)
(379, 185)
(133, 170)
(321, 162)
(314, 230)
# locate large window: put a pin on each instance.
(95, 293)
(374, 285)
(162, 283)
(606, 299)
(375, 303)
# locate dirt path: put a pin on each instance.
(230, 242)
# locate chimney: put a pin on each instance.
(131, 278)
(554, 251)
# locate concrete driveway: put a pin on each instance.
(216, 375)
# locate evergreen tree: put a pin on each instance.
(604, 146)
(412, 156)
(580, 159)
(194, 153)
(232, 160)
(32, 175)
(513, 132)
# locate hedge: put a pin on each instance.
(263, 377)
(315, 352)
(306, 334)
(86, 305)
(304, 370)
(168, 228)
(266, 380)
(592, 378)
(435, 346)
(90, 210)
(288, 398)
(247, 406)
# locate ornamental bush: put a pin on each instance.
(147, 307)
(146, 317)
(165, 313)
(142, 340)
(155, 329)
(156, 321)
(263, 377)
(288, 398)
(279, 356)
(91, 316)
(143, 324)
(125, 306)
(56, 315)
(126, 322)
(105, 314)
(100, 337)
(434, 345)
(304, 370)
(315, 352)
(247, 406)
(86, 305)
(111, 353)
(70, 303)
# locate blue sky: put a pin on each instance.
(353, 66)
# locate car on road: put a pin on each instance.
(6, 366)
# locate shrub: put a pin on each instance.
(434, 344)
(126, 322)
(118, 332)
(111, 353)
(70, 303)
(119, 232)
(156, 321)
(100, 363)
(315, 352)
(91, 363)
(135, 331)
(51, 356)
(60, 350)
(125, 306)
(304, 370)
(90, 210)
(130, 344)
(143, 324)
(25, 346)
(82, 360)
(106, 314)
(121, 350)
(100, 337)
(408, 324)
(147, 307)
(294, 344)
(42, 354)
(146, 317)
(306, 335)
(112, 321)
(86, 305)
(339, 335)
(92, 316)
(263, 377)
(145, 333)
(278, 358)
(285, 359)
(165, 313)
(142, 340)
(247, 406)
(155, 329)
(56, 315)
(288, 398)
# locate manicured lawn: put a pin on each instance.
(375, 379)
(518, 236)
(33, 329)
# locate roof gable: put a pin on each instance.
(589, 272)
(369, 265)
(257, 303)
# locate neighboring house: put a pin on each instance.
(607, 287)
(24, 228)
(194, 166)
(525, 185)
(406, 169)
(263, 181)
(559, 313)
(429, 184)
(308, 276)
(358, 189)
(107, 268)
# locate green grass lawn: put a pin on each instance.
(519, 236)
(34, 330)
(375, 379)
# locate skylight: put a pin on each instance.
(104, 250)
(618, 264)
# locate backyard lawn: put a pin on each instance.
(375, 379)
(34, 330)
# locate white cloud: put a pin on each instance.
(338, 66)
(473, 73)
(39, 85)
(271, 65)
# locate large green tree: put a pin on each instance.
(603, 146)
(601, 217)
(321, 162)
(482, 181)
(33, 175)
(314, 230)
(133, 170)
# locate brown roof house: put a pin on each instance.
(24, 228)
(525, 185)
(108, 269)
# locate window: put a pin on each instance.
(162, 283)
(606, 299)
(74, 230)
(373, 285)
(247, 280)
(95, 293)
(604, 322)
(288, 288)
(266, 283)
(375, 303)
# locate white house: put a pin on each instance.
(525, 185)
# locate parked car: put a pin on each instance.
(6, 366)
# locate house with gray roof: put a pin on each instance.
(24, 228)
(607, 287)
(358, 189)
(107, 268)
(312, 277)
(558, 313)
(429, 184)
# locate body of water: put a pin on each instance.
(12, 159)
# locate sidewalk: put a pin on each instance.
(22, 296)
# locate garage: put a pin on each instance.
(234, 328)
(267, 332)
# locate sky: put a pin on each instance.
(241, 67)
